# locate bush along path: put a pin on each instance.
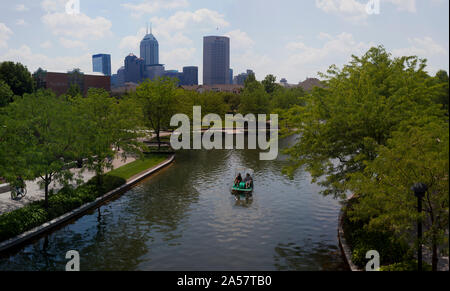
(395, 253)
(68, 198)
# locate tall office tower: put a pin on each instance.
(150, 49)
(190, 76)
(134, 69)
(101, 63)
(216, 60)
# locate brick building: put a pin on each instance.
(61, 82)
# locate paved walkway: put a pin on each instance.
(35, 193)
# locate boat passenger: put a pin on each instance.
(238, 180)
(248, 181)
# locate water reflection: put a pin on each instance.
(185, 218)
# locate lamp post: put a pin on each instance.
(419, 191)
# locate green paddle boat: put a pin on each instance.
(240, 188)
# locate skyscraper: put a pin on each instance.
(190, 76)
(150, 49)
(101, 63)
(134, 69)
(216, 60)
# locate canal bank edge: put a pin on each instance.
(12, 242)
(345, 248)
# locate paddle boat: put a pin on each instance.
(241, 187)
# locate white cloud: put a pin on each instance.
(77, 25)
(21, 8)
(177, 57)
(5, 33)
(240, 40)
(152, 6)
(355, 10)
(53, 5)
(69, 43)
(33, 61)
(21, 22)
(351, 10)
(46, 44)
(404, 5)
(422, 47)
(132, 41)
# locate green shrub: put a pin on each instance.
(18, 221)
(68, 198)
(361, 240)
(410, 265)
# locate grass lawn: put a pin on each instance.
(136, 167)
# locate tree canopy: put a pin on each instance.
(17, 77)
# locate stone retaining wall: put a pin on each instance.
(81, 210)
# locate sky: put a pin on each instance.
(292, 39)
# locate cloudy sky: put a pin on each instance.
(293, 39)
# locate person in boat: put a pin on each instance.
(248, 181)
(238, 180)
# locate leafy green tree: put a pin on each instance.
(269, 84)
(6, 95)
(158, 100)
(417, 154)
(17, 77)
(107, 126)
(73, 91)
(342, 125)
(286, 98)
(254, 98)
(39, 139)
(442, 80)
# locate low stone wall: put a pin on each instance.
(4, 188)
(345, 248)
(81, 210)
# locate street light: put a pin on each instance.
(419, 191)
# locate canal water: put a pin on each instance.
(185, 218)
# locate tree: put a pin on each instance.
(254, 98)
(385, 199)
(107, 125)
(269, 84)
(6, 95)
(157, 99)
(442, 81)
(17, 77)
(73, 91)
(40, 139)
(342, 125)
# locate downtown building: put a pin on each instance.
(101, 63)
(60, 83)
(216, 60)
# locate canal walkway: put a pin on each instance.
(36, 193)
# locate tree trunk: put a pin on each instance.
(46, 182)
(434, 258)
(159, 141)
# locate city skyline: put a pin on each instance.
(289, 39)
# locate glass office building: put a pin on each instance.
(190, 76)
(101, 63)
(216, 60)
(150, 50)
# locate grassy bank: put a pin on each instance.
(129, 170)
(69, 198)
